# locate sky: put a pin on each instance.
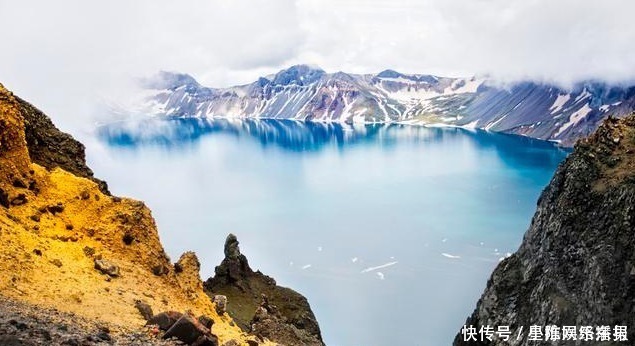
(64, 55)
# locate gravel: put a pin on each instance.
(27, 325)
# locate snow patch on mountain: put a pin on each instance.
(575, 118)
(308, 93)
(560, 101)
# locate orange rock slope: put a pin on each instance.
(53, 225)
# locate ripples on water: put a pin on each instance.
(391, 231)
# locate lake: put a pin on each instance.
(390, 231)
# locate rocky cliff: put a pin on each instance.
(70, 248)
(50, 148)
(281, 314)
(576, 263)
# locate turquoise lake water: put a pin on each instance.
(390, 231)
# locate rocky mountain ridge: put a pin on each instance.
(282, 315)
(308, 93)
(576, 264)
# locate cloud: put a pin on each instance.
(561, 41)
(557, 41)
(62, 55)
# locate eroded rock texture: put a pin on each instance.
(258, 305)
(576, 264)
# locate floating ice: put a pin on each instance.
(450, 256)
(370, 269)
(380, 275)
(306, 266)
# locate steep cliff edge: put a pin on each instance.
(576, 264)
(50, 148)
(68, 245)
(261, 307)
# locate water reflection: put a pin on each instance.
(300, 136)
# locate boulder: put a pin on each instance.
(107, 267)
(188, 330)
(220, 302)
(4, 198)
(19, 199)
(144, 309)
(206, 321)
(103, 335)
(19, 184)
(164, 320)
(55, 208)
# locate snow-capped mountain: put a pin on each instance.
(308, 93)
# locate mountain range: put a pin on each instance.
(308, 93)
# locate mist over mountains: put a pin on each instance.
(304, 92)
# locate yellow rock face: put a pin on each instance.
(52, 234)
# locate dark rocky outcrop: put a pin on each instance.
(165, 320)
(206, 321)
(190, 331)
(576, 264)
(293, 322)
(50, 147)
(144, 309)
(234, 270)
(269, 323)
(4, 199)
(185, 328)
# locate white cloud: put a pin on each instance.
(60, 54)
